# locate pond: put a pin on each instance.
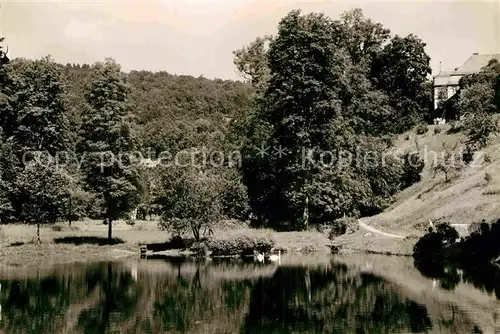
(307, 294)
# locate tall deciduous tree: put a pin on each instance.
(361, 37)
(252, 62)
(109, 141)
(298, 106)
(401, 70)
(37, 111)
(34, 118)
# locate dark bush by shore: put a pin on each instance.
(441, 255)
(101, 241)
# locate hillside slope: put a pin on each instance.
(466, 197)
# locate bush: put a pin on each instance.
(200, 249)
(242, 245)
(176, 242)
(101, 241)
(468, 156)
(56, 228)
(487, 177)
(448, 234)
(421, 129)
(343, 226)
(437, 130)
(412, 167)
(129, 221)
(487, 158)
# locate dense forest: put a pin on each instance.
(91, 140)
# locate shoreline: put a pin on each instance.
(51, 251)
(49, 254)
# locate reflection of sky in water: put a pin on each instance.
(160, 295)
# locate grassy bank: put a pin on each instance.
(82, 241)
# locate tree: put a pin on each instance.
(34, 118)
(448, 163)
(37, 111)
(401, 70)
(321, 102)
(298, 105)
(191, 200)
(8, 171)
(77, 199)
(251, 62)
(362, 38)
(109, 142)
(42, 190)
(4, 59)
(478, 102)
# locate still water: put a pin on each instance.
(356, 294)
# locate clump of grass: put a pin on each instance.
(487, 158)
(421, 129)
(437, 130)
(492, 191)
(17, 243)
(57, 228)
(487, 177)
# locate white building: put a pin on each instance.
(446, 82)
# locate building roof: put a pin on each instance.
(473, 65)
(476, 62)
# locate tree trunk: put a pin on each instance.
(306, 213)
(38, 233)
(110, 229)
(196, 232)
(70, 213)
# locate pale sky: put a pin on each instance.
(198, 37)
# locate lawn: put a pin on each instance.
(83, 240)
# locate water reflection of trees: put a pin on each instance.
(483, 276)
(207, 298)
(333, 302)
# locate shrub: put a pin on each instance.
(129, 221)
(200, 249)
(222, 247)
(57, 228)
(468, 155)
(447, 233)
(242, 245)
(492, 191)
(343, 226)
(487, 177)
(487, 158)
(17, 243)
(421, 129)
(437, 130)
(176, 242)
(412, 167)
(88, 240)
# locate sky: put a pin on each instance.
(197, 37)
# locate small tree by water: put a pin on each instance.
(191, 201)
(43, 192)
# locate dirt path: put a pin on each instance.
(377, 231)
